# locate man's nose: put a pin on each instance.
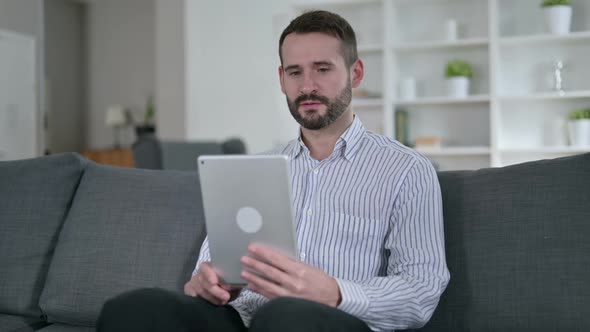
(308, 85)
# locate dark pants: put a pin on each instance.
(159, 310)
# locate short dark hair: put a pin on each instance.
(324, 22)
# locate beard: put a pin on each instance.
(334, 108)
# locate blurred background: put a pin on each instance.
(153, 83)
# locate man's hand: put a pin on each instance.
(284, 276)
(208, 285)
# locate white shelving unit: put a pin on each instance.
(512, 114)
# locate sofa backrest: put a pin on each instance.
(518, 248)
(127, 229)
(35, 195)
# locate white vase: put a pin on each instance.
(458, 87)
(579, 131)
(558, 19)
(408, 89)
(451, 28)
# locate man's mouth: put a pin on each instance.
(310, 103)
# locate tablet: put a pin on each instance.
(246, 199)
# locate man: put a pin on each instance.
(368, 213)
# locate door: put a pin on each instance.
(18, 98)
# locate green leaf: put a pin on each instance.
(580, 114)
(549, 3)
(458, 68)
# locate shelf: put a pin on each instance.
(543, 39)
(428, 46)
(456, 151)
(547, 150)
(548, 96)
(367, 102)
(420, 2)
(474, 99)
(512, 114)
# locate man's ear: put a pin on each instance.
(281, 78)
(358, 72)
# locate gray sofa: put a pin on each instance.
(74, 233)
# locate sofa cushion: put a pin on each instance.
(35, 195)
(127, 229)
(10, 323)
(518, 248)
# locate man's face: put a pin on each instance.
(315, 79)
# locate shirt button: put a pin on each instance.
(316, 171)
(309, 212)
(302, 256)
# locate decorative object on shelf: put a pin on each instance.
(118, 118)
(401, 127)
(558, 16)
(458, 74)
(428, 142)
(364, 93)
(579, 128)
(408, 89)
(558, 77)
(147, 126)
(451, 30)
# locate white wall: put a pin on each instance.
(121, 62)
(170, 70)
(232, 79)
(23, 16)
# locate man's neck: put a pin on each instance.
(321, 142)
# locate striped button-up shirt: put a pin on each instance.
(370, 216)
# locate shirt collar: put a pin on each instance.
(352, 138)
(349, 141)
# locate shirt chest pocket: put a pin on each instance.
(356, 227)
(350, 243)
(350, 236)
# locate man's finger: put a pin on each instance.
(208, 277)
(270, 272)
(264, 287)
(216, 295)
(210, 298)
(189, 287)
(219, 293)
(190, 290)
(273, 257)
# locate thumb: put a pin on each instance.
(189, 288)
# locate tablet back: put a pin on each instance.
(246, 199)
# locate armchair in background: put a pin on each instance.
(151, 153)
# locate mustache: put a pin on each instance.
(309, 97)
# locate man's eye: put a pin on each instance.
(294, 73)
(324, 70)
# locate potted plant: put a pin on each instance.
(579, 128)
(458, 75)
(558, 16)
(147, 126)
